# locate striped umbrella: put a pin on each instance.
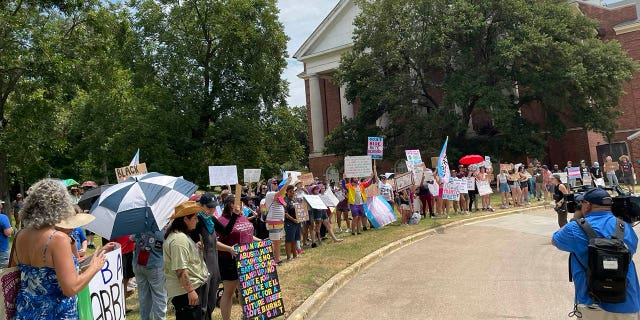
(138, 204)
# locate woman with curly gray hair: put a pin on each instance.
(49, 279)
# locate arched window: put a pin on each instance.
(332, 174)
(400, 166)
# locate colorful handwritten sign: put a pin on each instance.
(375, 147)
(130, 171)
(307, 179)
(413, 156)
(358, 166)
(259, 285)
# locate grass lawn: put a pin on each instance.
(301, 277)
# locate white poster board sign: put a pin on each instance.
(413, 156)
(106, 290)
(563, 177)
(471, 183)
(463, 185)
(329, 199)
(223, 175)
(252, 175)
(294, 175)
(358, 166)
(315, 201)
(450, 192)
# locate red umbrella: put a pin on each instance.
(471, 159)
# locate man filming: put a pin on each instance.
(599, 221)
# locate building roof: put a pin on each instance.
(334, 33)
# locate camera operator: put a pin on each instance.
(559, 192)
(596, 209)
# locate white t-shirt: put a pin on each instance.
(385, 190)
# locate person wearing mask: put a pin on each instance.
(49, 279)
(241, 233)
(611, 172)
(596, 213)
(628, 173)
(149, 273)
(205, 236)
(16, 205)
(185, 272)
(357, 198)
(558, 196)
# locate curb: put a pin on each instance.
(312, 305)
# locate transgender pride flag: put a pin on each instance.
(443, 163)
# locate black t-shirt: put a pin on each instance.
(596, 172)
(291, 207)
(626, 167)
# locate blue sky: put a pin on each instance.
(300, 18)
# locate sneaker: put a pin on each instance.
(353, 233)
(468, 213)
(364, 228)
(339, 230)
(347, 230)
(448, 217)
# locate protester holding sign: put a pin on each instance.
(48, 290)
(514, 183)
(426, 199)
(241, 233)
(320, 217)
(275, 216)
(356, 197)
(610, 171)
(483, 177)
(184, 268)
(291, 224)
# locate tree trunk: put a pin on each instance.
(4, 180)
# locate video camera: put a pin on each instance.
(625, 205)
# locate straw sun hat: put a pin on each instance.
(186, 208)
(75, 221)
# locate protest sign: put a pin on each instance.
(129, 171)
(403, 181)
(103, 298)
(301, 211)
(418, 173)
(471, 183)
(462, 185)
(484, 188)
(358, 166)
(586, 178)
(258, 281)
(611, 166)
(295, 175)
(563, 177)
(252, 175)
(573, 172)
(315, 201)
(434, 162)
(223, 175)
(506, 166)
(413, 156)
(599, 182)
(307, 179)
(329, 198)
(375, 147)
(428, 175)
(450, 192)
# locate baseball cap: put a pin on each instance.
(596, 196)
(208, 199)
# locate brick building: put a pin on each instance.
(326, 105)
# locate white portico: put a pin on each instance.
(326, 104)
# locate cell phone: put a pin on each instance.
(86, 262)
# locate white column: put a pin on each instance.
(346, 109)
(317, 122)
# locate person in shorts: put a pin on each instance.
(356, 197)
(320, 217)
(627, 173)
(291, 224)
(275, 217)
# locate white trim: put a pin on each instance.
(315, 35)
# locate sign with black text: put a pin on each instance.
(129, 171)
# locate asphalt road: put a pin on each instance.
(504, 268)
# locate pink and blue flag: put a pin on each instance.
(443, 163)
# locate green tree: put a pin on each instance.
(432, 66)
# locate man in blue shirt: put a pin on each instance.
(596, 209)
(5, 231)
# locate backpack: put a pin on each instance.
(607, 264)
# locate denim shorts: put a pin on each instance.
(504, 187)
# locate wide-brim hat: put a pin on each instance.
(186, 208)
(624, 156)
(75, 221)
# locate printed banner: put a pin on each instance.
(450, 191)
(315, 201)
(129, 171)
(375, 147)
(358, 166)
(403, 181)
(252, 175)
(103, 298)
(484, 188)
(573, 172)
(259, 285)
(223, 175)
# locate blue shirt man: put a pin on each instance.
(596, 209)
(5, 232)
(79, 236)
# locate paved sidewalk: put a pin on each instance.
(505, 268)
